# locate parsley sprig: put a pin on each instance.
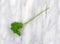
(17, 26)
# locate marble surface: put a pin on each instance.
(45, 29)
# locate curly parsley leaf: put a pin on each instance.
(16, 27)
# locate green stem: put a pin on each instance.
(35, 16)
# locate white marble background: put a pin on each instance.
(45, 29)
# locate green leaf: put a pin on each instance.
(16, 27)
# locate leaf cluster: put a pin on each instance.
(16, 27)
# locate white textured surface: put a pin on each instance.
(45, 29)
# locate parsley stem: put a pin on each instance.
(35, 16)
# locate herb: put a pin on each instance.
(17, 26)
